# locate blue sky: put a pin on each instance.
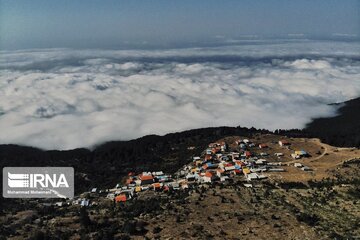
(165, 23)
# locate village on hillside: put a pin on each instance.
(222, 161)
(257, 187)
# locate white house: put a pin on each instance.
(229, 168)
(159, 173)
(110, 196)
(305, 168)
(298, 165)
(260, 162)
(262, 176)
(252, 176)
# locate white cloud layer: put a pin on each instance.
(63, 99)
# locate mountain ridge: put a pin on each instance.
(170, 151)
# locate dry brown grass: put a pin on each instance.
(324, 157)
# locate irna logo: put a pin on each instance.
(38, 182)
(18, 180)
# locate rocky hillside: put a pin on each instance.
(104, 165)
(327, 209)
(342, 130)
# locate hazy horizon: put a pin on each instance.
(171, 24)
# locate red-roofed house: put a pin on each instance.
(208, 177)
(284, 143)
(237, 171)
(146, 179)
(263, 145)
(120, 198)
(157, 186)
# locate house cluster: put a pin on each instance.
(156, 181)
(218, 163)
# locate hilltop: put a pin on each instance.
(320, 201)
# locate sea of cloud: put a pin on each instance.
(65, 98)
